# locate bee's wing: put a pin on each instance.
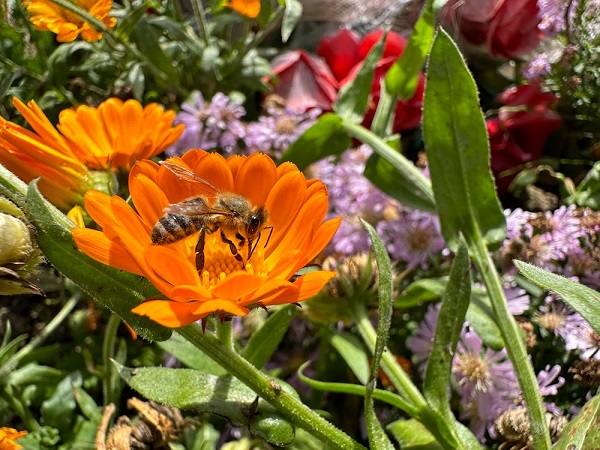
(194, 207)
(183, 174)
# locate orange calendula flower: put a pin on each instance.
(248, 8)
(43, 153)
(48, 16)
(117, 133)
(238, 267)
(8, 436)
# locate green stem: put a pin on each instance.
(515, 345)
(108, 346)
(13, 361)
(200, 17)
(263, 385)
(400, 380)
(224, 334)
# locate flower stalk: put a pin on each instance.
(260, 383)
(515, 345)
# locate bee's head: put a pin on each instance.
(256, 222)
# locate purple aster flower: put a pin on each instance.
(546, 377)
(556, 317)
(517, 224)
(538, 67)
(215, 125)
(518, 299)
(585, 340)
(414, 237)
(552, 14)
(275, 132)
(565, 230)
(421, 341)
(582, 267)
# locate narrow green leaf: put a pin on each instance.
(353, 352)
(87, 404)
(264, 342)
(402, 78)
(377, 437)
(447, 332)
(353, 98)
(385, 176)
(582, 433)
(480, 314)
(457, 149)
(224, 395)
(137, 81)
(146, 39)
(118, 291)
(416, 191)
(291, 17)
(413, 435)
(354, 389)
(326, 137)
(127, 24)
(588, 191)
(34, 374)
(581, 298)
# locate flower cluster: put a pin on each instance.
(218, 125)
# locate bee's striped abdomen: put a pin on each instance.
(173, 227)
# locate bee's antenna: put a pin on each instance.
(258, 239)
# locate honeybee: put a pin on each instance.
(234, 215)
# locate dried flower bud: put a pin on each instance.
(513, 428)
(15, 241)
(586, 373)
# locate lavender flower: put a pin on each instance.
(517, 299)
(557, 318)
(421, 342)
(275, 132)
(585, 340)
(565, 230)
(210, 126)
(552, 14)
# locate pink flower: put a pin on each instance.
(304, 81)
(508, 29)
(518, 136)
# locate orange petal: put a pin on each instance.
(214, 169)
(267, 290)
(97, 246)
(283, 203)
(321, 238)
(310, 284)
(168, 313)
(171, 266)
(148, 198)
(237, 285)
(256, 178)
(212, 306)
(199, 293)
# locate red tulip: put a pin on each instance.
(304, 81)
(518, 136)
(509, 29)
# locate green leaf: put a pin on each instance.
(291, 17)
(413, 435)
(402, 78)
(118, 291)
(354, 389)
(137, 80)
(87, 404)
(377, 437)
(480, 314)
(384, 176)
(326, 137)
(264, 342)
(353, 352)
(58, 410)
(582, 433)
(353, 98)
(34, 374)
(447, 332)
(189, 355)
(588, 191)
(224, 395)
(581, 298)
(457, 149)
(146, 39)
(415, 190)
(12, 187)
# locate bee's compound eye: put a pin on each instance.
(254, 224)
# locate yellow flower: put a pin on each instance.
(8, 436)
(228, 282)
(43, 153)
(117, 133)
(48, 16)
(248, 8)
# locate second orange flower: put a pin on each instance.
(233, 273)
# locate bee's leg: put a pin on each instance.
(200, 250)
(232, 247)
